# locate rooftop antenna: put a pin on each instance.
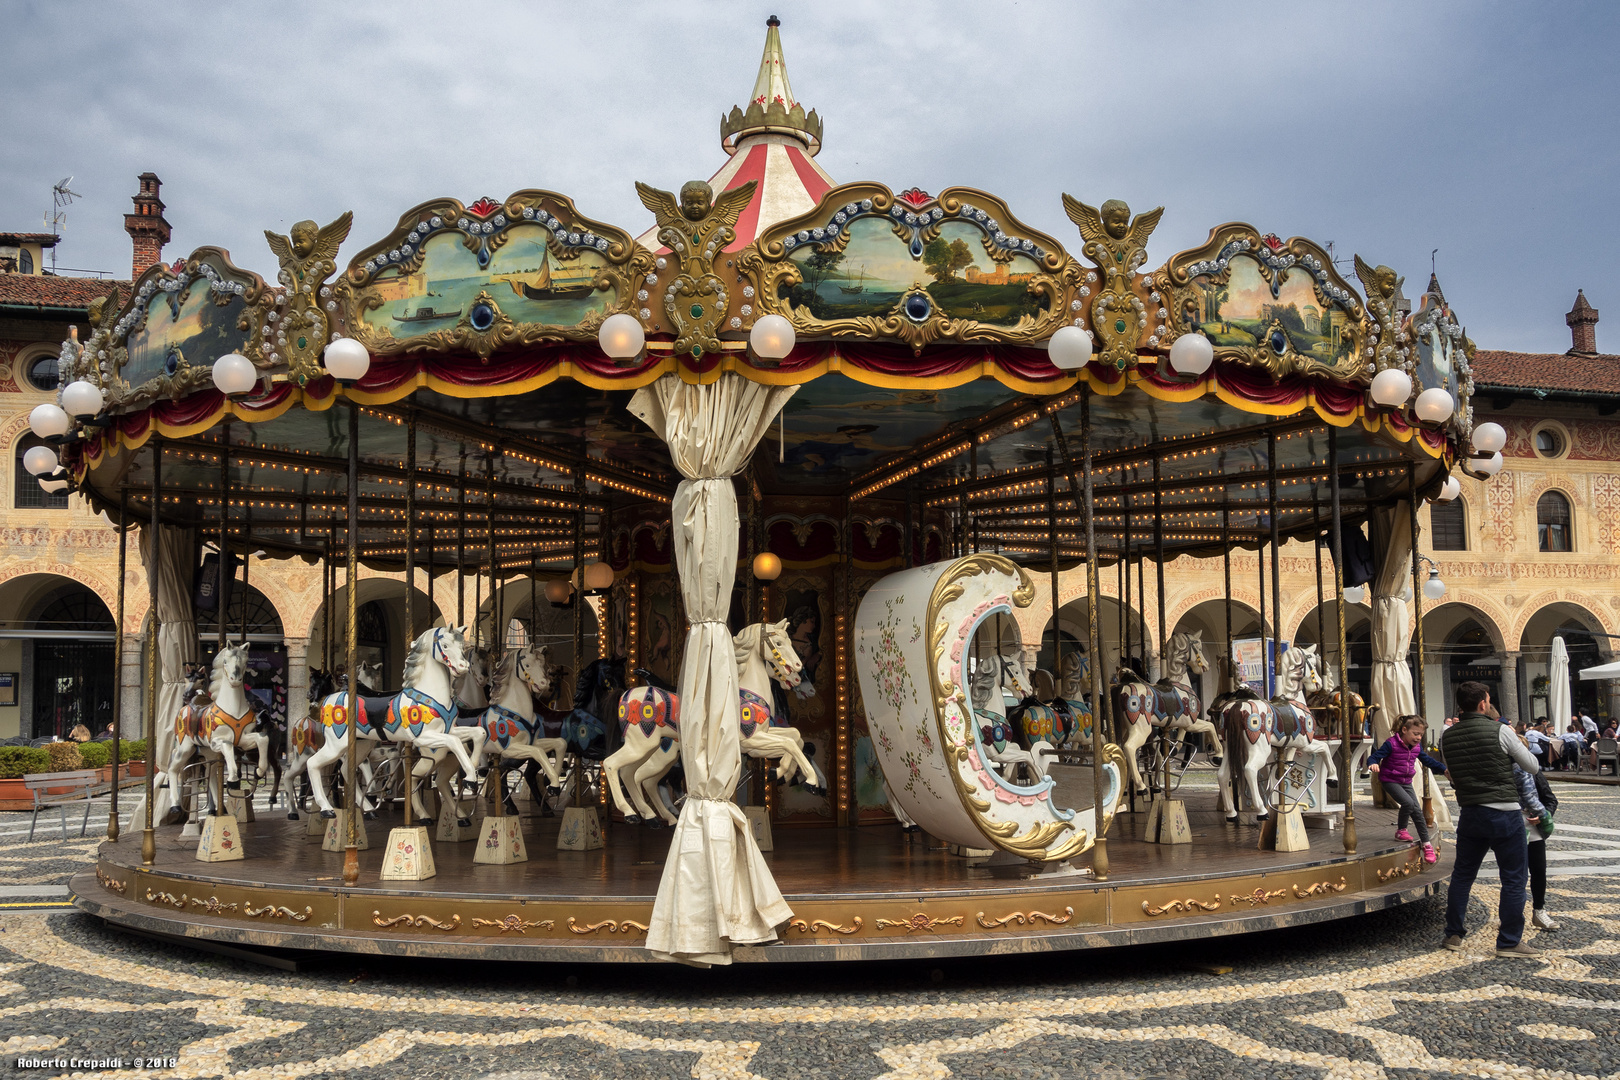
(1432, 254)
(61, 198)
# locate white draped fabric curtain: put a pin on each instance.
(716, 891)
(1391, 623)
(1559, 707)
(177, 631)
(1392, 686)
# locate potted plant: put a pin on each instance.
(98, 756)
(15, 763)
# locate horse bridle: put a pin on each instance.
(779, 670)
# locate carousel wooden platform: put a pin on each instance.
(858, 894)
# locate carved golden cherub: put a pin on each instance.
(308, 247)
(1118, 245)
(1380, 281)
(103, 308)
(696, 227)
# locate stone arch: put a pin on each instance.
(1570, 601)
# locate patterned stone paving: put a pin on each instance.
(1372, 997)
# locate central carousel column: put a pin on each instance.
(716, 891)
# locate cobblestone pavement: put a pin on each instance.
(1372, 997)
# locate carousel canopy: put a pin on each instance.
(922, 327)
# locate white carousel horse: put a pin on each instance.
(511, 726)
(1040, 727)
(1257, 727)
(223, 727)
(996, 735)
(1169, 704)
(420, 714)
(185, 738)
(649, 722)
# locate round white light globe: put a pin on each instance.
(347, 360)
(234, 374)
(49, 421)
(558, 591)
(1434, 588)
(82, 399)
(1354, 594)
(1451, 489)
(1434, 405)
(598, 575)
(1069, 349)
(767, 566)
(772, 337)
(40, 460)
(1489, 437)
(1191, 354)
(621, 336)
(1391, 387)
(1490, 466)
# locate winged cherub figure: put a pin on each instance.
(1117, 245)
(696, 227)
(308, 257)
(1383, 287)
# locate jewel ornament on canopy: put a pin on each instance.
(696, 227)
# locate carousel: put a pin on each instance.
(749, 507)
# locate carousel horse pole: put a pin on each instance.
(1338, 587)
(1417, 638)
(148, 837)
(118, 663)
(351, 848)
(581, 825)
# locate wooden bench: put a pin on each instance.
(58, 790)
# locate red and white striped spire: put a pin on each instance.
(772, 141)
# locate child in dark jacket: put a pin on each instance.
(1537, 801)
(1396, 763)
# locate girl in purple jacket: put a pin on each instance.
(1396, 763)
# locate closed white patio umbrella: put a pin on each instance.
(1558, 698)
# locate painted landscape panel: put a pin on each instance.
(185, 323)
(1241, 313)
(876, 268)
(528, 284)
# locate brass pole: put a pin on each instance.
(351, 850)
(1229, 746)
(247, 564)
(461, 546)
(148, 838)
(1100, 705)
(1164, 641)
(1267, 659)
(579, 617)
(1321, 598)
(1276, 561)
(222, 595)
(1125, 596)
(1344, 670)
(497, 633)
(118, 660)
(407, 785)
(1080, 487)
(1052, 543)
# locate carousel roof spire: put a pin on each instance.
(772, 106)
(773, 143)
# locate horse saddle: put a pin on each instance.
(756, 713)
(650, 711)
(217, 718)
(1290, 720)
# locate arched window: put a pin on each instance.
(1448, 524)
(25, 261)
(26, 494)
(1553, 523)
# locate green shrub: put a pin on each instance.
(131, 750)
(18, 761)
(64, 757)
(96, 755)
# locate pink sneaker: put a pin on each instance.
(1404, 835)
(1428, 853)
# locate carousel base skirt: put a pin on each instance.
(873, 893)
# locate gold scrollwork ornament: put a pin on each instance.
(696, 227)
(1321, 888)
(1118, 246)
(414, 920)
(822, 924)
(1189, 904)
(308, 258)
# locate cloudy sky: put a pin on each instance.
(1485, 130)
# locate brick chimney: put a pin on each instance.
(146, 226)
(1582, 320)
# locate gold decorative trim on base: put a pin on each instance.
(110, 883)
(1189, 904)
(1021, 918)
(921, 921)
(612, 926)
(1321, 888)
(1414, 865)
(513, 923)
(166, 898)
(1256, 898)
(822, 924)
(414, 920)
(212, 905)
(274, 911)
